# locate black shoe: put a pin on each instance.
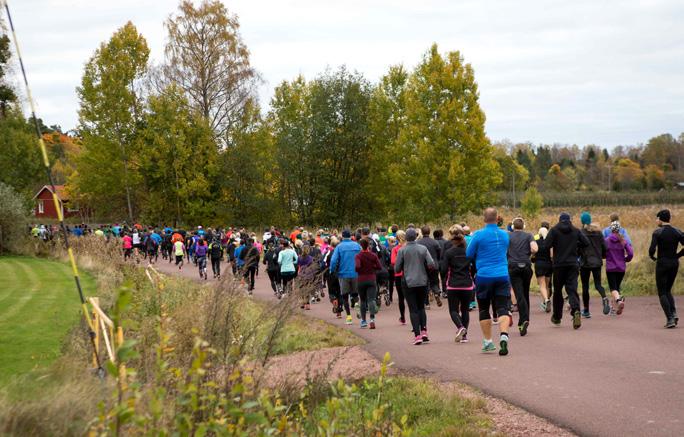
(676, 319)
(577, 320)
(606, 306)
(670, 323)
(523, 328)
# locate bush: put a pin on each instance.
(532, 202)
(13, 217)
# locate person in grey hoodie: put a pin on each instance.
(414, 261)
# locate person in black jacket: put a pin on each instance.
(591, 261)
(666, 240)
(566, 241)
(435, 250)
(455, 269)
(272, 267)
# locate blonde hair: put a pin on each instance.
(334, 241)
(455, 230)
(401, 236)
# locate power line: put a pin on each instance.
(55, 199)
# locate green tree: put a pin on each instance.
(178, 162)
(514, 176)
(387, 117)
(322, 147)
(249, 185)
(662, 151)
(628, 175)
(111, 111)
(21, 165)
(450, 160)
(207, 58)
(532, 202)
(7, 95)
(543, 161)
(13, 216)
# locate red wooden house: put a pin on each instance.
(45, 206)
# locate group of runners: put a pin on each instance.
(490, 269)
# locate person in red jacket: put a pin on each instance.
(367, 264)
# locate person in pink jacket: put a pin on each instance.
(618, 253)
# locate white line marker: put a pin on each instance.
(656, 372)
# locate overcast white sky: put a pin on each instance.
(582, 71)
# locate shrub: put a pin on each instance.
(13, 217)
(532, 202)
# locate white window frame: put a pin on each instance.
(41, 206)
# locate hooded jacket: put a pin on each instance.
(566, 242)
(618, 253)
(592, 256)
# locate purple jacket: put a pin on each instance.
(617, 254)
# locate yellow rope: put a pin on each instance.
(48, 170)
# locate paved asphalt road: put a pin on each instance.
(615, 376)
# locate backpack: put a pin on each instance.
(216, 251)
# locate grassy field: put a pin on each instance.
(38, 306)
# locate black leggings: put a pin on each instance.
(390, 285)
(459, 307)
(216, 266)
(400, 296)
(249, 276)
(368, 291)
(415, 297)
(584, 276)
(275, 280)
(286, 278)
(666, 273)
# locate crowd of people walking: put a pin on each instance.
(490, 270)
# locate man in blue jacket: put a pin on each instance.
(489, 248)
(344, 266)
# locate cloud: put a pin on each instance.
(580, 72)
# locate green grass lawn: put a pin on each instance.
(38, 306)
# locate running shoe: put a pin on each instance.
(606, 306)
(488, 346)
(465, 339)
(334, 306)
(495, 321)
(418, 340)
(548, 305)
(364, 324)
(676, 319)
(576, 320)
(555, 321)
(402, 320)
(339, 315)
(620, 305)
(472, 306)
(503, 345)
(460, 335)
(424, 334)
(523, 328)
(670, 323)
(372, 324)
(542, 305)
(586, 314)
(349, 320)
(438, 300)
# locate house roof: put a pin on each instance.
(59, 189)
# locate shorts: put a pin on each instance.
(349, 286)
(488, 290)
(615, 280)
(543, 269)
